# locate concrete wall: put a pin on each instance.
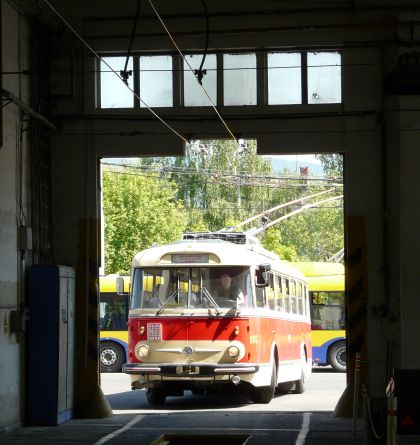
(408, 233)
(14, 187)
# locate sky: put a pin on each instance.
(300, 158)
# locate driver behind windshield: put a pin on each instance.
(228, 291)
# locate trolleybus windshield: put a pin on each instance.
(191, 287)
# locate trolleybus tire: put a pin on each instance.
(264, 394)
(337, 356)
(284, 387)
(300, 384)
(155, 396)
(112, 356)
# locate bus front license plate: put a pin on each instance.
(187, 370)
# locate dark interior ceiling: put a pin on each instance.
(124, 10)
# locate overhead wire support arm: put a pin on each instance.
(27, 109)
(192, 70)
(199, 74)
(257, 230)
(266, 212)
(124, 73)
(60, 16)
(337, 257)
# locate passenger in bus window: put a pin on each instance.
(229, 291)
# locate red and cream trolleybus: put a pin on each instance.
(217, 308)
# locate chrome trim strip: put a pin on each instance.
(207, 350)
(143, 369)
(235, 370)
(177, 351)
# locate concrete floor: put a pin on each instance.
(266, 428)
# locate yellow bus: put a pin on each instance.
(113, 314)
(326, 294)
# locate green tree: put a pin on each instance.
(272, 241)
(138, 212)
(333, 163)
(216, 178)
(315, 234)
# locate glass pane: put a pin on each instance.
(271, 294)
(156, 81)
(327, 310)
(228, 286)
(260, 296)
(240, 79)
(194, 95)
(114, 93)
(155, 288)
(324, 78)
(284, 78)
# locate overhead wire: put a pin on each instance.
(192, 70)
(89, 47)
(254, 68)
(222, 173)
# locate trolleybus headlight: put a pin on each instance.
(233, 351)
(143, 350)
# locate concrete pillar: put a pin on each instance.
(76, 242)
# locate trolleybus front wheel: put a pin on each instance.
(264, 394)
(155, 396)
(337, 356)
(112, 356)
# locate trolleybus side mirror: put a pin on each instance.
(262, 275)
(120, 285)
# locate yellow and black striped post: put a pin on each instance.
(90, 401)
(356, 313)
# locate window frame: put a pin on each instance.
(178, 83)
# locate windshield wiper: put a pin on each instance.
(168, 300)
(207, 294)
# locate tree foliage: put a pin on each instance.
(332, 163)
(215, 185)
(138, 211)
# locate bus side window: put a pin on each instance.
(293, 296)
(305, 300)
(271, 296)
(102, 306)
(248, 294)
(280, 296)
(286, 293)
(260, 296)
(300, 298)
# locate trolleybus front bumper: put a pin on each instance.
(188, 369)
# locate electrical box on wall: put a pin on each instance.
(50, 351)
